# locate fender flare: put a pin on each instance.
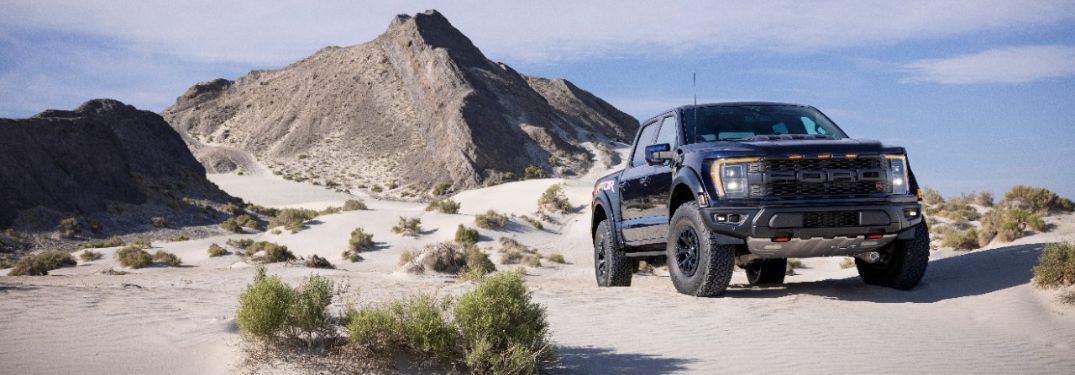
(688, 177)
(602, 200)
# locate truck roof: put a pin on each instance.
(685, 108)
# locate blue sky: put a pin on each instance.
(982, 93)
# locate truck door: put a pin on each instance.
(635, 205)
(659, 186)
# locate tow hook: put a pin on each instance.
(869, 257)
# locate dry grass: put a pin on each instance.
(491, 220)
(1056, 266)
(408, 226)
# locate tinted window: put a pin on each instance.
(644, 140)
(668, 132)
(742, 122)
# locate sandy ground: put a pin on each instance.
(973, 313)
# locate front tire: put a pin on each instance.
(697, 265)
(611, 266)
(767, 271)
(902, 266)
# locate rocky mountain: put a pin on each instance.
(418, 105)
(105, 162)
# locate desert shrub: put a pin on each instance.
(533, 171)
(274, 253)
(513, 252)
(158, 222)
(70, 227)
(242, 244)
(180, 238)
(491, 220)
(1008, 224)
(932, 197)
(360, 240)
(97, 244)
(793, 263)
(375, 332)
(533, 222)
(444, 257)
(448, 206)
(408, 226)
(315, 261)
(556, 258)
(847, 262)
(40, 264)
(354, 205)
(466, 236)
(293, 219)
(405, 257)
(217, 251)
(307, 314)
(441, 188)
(89, 255)
(133, 257)
(264, 306)
(554, 200)
(960, 239)
(376, 189)
(1034, 199)
(330, 211)
(166, 258)
(984, 199)
(477, 263)
(425, 328)
(644, 267)
(502, 330)
(233, 209)
(954, 210)
(1056, 266)
(142, 243)
(260, 210)
(231, 226)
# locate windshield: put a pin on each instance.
(757, 122)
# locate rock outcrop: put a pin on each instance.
(102, 155)
(418, 105)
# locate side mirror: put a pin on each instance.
(658, 153)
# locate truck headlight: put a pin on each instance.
(897, 173)
(730, 177)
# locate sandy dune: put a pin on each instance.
(974, 312)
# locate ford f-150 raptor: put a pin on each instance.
(714, 186)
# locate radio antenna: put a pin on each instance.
(694, 124)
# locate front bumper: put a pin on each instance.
(759, 225)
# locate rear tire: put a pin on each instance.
(767, 271)
(698, 266)
(902, 264)
(611, 266)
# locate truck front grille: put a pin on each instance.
(791, 178)
(830, 219)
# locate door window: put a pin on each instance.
(668, 132)
(646, 139)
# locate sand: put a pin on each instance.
(975, 312)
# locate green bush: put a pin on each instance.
(491, 220)
(40, 264)
(932, 197)
(375, 332)
(408, 226)
(360, 240)
(793, 263)
(166, 258)
(1034, 199)
(554, 200)
(960, 240)
(159, 222)
(330, 211)
(1056, 266)
(533, 171)
(354, 205)
(466, 236)
(89, 255)
(308, 313)
(502, 331)
(1008, 224)
(236, 224)
(533, 222)
(293, 219)
(274, 253)
(217, 251)
(423, 322)
(984, 199)
(441, 188)
(70, 227)
(133, 257)
(264, 306)
(376, 189)
(97, 244)
(954, 210)
(478, 264)
(447, 206)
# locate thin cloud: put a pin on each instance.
(260, 32)
(1002, 65)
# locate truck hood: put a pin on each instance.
(799, 146)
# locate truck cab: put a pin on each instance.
(750, 184)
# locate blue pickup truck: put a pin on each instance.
(713, 186)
